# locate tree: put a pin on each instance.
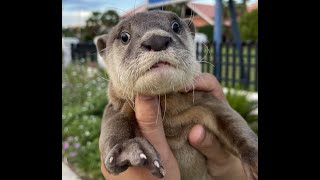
(240, 8)
(94, 19)
(69, 32)
(109, 18)
(99, 23)
(249, 25)
(92, 27)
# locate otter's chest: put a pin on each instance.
(180, 112)
(191, 162)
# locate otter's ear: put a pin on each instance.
(101, 44)
(190, 24)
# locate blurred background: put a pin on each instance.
(227, 46)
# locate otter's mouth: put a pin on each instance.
(161, 64)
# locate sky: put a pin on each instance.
(75, 12)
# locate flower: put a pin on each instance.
(70, 138)
(77, 145)
(87, 133)
(72, 154)
(65, 145)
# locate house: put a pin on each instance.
(252, 6)
(201, 14)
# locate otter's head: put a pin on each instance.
(150, 53)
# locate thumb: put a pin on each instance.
(207, 144)
(199, 139)
(148, 113)
(220, 162)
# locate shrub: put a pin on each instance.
(249, 25)
(83, 99)
(245, 107)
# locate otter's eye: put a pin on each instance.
(175, 27)
(125, 37)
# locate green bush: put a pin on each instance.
(84, 98)
(208, 31)
(249, 25)
(240, 103)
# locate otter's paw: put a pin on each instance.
(134, 152)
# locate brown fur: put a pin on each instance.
(121, 144)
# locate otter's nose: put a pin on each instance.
(157, 43)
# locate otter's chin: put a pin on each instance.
(162, 80)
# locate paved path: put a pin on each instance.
(68, 174)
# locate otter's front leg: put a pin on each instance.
(120, 148)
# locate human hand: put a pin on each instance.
(151, 127)
(220, 163)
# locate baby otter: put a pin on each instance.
(153, 53)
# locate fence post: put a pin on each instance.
(236, 33)
(198, 54)
(241, 64)
(248, 44)
(218, 36)
(208, 64)
(227, 64)
(202, 57)
(256, 67)
(73, 48)
(234, 66)
(217, 65)
(215, 60)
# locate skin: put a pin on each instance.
(220, 163)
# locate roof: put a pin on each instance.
(206, 9)
(198, 21)
(206, 12)
(165, 3)
(252, 6)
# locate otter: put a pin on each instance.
(153, 53)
